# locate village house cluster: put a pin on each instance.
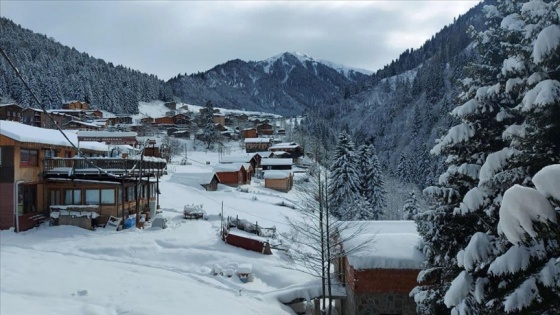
(108, 166)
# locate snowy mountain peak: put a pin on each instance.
(304, 58)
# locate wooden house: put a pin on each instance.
(265, 129)
(278, 180)
(252, 158)
(80, 125)
(38, 173)
(276, 164)
(379, 277)
(288, 150)
(182, 133)
(181, 119)
(165, 120)
(109, 137)
(234, 174)
(147, 120)
(11, 112)
(256, 144)
(75, 105)
(219, 119)
(249, 133)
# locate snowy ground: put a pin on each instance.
(67, 270)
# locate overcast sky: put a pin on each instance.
(166, 38)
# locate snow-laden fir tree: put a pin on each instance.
(344, 181)
(411, 207)
(446, 228)
(210, 133)
(371, 183)
(500, 275)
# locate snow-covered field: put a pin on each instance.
(67, 270)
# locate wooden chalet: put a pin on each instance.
(80, 125)
(165, 120)
(109, 137)
(219, 119)
(288, 150)
(252, 158)
(75, 105)
(39, 172)
(249, 133)
(181, 119)
(276, 164)
(147, 120)
(11, 112)
(380, 275)
(278, 180)
(265, 129)
(257, 144)
(234, 174)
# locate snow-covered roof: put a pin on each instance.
(104, 134)
(276, 174)
(280, 152)
(10, 104)
(83, 123)
(285, 145)
(25, 133)
(257, 140)
(237, 158)
(266, 162)
(264, 154)
(94, 145)
(233, 167)
(192, 179)
(393, 246)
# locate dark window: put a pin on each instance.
(28, 157)
(29, 198)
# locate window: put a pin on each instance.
(92, 197)
(28, 157)
(107, 196)
(55, 197)
(73, 197)
(49, 153)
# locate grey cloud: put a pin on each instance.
(168, 38)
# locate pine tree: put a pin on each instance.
(411, 207)
(448, 226)
(210, 134)
(344, 184)
(370, 183)
(532, 94)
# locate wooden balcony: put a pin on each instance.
(110, 167)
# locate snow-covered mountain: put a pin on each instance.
(287, 83)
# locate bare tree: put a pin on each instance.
(318, 237)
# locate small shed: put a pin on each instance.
(278, 180)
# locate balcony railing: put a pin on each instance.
(101, 166)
